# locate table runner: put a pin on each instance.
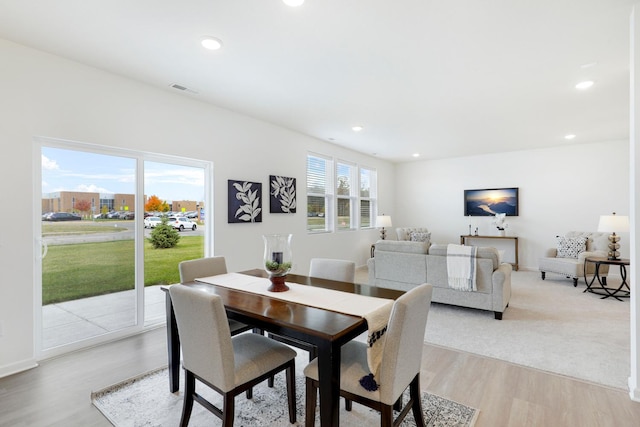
(374, 310)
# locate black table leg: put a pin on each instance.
(329, 384)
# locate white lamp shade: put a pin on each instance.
(613, 223)
(383, 221)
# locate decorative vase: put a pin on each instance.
(277, 260)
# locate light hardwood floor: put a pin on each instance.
(57, 393)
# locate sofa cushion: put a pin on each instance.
(570, 247)
(483, 252)
(416, 236)
(402, 246)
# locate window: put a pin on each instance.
(319, 193)
(345, 196)
(344, 199)
(368, 197)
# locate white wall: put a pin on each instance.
(45, 95)
(560, 189)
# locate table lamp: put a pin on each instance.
(383, 221)
(613, 223)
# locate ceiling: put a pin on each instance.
(443, 78)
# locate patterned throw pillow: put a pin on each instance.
(415, 236)
(570, 247)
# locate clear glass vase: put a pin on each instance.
(277, 260)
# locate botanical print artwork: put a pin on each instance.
(245, 201)
(282, 194)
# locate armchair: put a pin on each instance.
(404, 233)
(567, 258)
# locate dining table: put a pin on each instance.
(322, 327)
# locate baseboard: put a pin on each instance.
(14, 368)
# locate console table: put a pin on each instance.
(509, 239)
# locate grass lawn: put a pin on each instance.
(89, 269)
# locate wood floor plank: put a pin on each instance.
(57, 393)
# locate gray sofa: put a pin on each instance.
(403, 265)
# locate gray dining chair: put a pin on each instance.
(229, 365)
(205, 267)
(399, 369)
(322, 268)
(333, 269)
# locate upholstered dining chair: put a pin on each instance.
(400, 363)
(322, 268)
(229, 365)
(205, 267)
(333, 269)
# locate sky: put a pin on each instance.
(70, 170)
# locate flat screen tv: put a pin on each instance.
(490, 201)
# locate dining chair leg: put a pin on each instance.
(228, 411)
(249, 393)
(386, 416)
(414, 392)
(348, 404)
(189, 390)
(311, 397)
(291, 391)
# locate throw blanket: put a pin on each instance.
(461, 267)
(376, 311)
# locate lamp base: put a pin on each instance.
(613, 253)
(383, 234)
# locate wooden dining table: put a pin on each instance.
(327, 330)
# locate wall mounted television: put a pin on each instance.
(490, 201)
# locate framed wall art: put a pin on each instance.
(282, 194)
(491, 201)
(244, 201)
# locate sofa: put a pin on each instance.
(405, 264)
(568, 257)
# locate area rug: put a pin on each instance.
(146, 401)
(549, 325)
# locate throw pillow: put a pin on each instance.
(570, 247)
(415, 236)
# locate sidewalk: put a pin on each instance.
(71, 321)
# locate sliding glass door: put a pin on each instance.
(100, 275)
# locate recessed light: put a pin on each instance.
(211, 43)
(293, 3)
(357, 128)
(416, 154)
(584, 85)
(569, 136)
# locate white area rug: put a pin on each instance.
(549, 325)
(146, 401)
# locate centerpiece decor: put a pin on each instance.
(277, 260)
(499, 222)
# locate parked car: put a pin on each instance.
(127, 215)
(62, 216)
(181, 223)
(152, 221)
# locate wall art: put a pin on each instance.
(282, 194)
(245, 201)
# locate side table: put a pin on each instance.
(605, 290)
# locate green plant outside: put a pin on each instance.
(106, 267)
